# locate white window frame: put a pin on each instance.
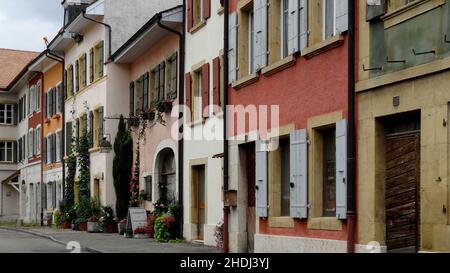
(283, 37)
(37, 138)
(324, 17)
(5, 148)
(30, 143)
(38, 95)
(6, 112)
(58, 135)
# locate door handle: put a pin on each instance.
(257, 187)
(292, 185)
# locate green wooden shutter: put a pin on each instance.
(101, 59)
(91, 65)
(131, 98)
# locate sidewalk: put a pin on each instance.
(114, 243)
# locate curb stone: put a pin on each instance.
(51, 238)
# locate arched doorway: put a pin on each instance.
(165, 176)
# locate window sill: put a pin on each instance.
(319, 48)
(409, 11)
(245, 81)
(279, 66)
(198, 26)
(325, 223)
(8, 125)
(281, 222)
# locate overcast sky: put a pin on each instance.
(23, 23)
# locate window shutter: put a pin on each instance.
(141, 86)
(54, 195)
(49, 149)
(91, 65)
(205, 90)
(55, 100)
(77, 76)
(216, 81)
(69, 137)
(84, 69)
(341, 14)
(101, 58)
(260, 41)
(65, 84)
(60, 100)
(131, 98)
(375, 8)
(232, 50)
(15, 113)
(15, 151)
(261, 180)
(299, 174)
(206, 9)
(188, 84)
(54, 147)
(58, 146)
(341, 169)
(44, 152)
(91, 129)
(303, 24)
(100, 123)
(145, 87)
(293, 27)
(78, 132)
(190, 14)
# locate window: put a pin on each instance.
(329, 18)
(30, 143)
(24, 147)
(37, 140)
(148, 187)
(245, 46)
(172, 77)
(77, 76)
(197, 110)
(82, 71)
(25, 109)
(19, 150)
(138, 96)
(6, 114)
(69, 138)
(284, 27)
(38, 95)
(158, 79)
(91, 65)
(98, 126)
(329, 172)
(69, 85)
(58, 99)
(6, 151)
(198, 11)
(132, 112)
(58, 146)
(98, 60)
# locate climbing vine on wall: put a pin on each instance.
(84, 166)
(134, 183)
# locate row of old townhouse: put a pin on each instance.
(303, 125)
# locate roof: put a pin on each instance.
(12, 63)
(149, 34)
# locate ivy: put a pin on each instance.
(134, 183)
(69, 195)
(84, 166)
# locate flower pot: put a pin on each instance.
(66, 225)
(93, 227)
(82, 226)
(140, 236)
(121, 228)
(110, 228)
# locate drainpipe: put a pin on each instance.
(42, 163)
(61, 60)
(181, 36)
(107, 26)
(226, 209)
(351, 204)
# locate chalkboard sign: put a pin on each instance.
(137, 217)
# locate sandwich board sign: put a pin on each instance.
(137, 217)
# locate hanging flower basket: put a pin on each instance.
(164, 106)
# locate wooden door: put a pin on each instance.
(251, 196)
(198, 202)
(402, 192)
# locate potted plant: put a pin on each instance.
(93, 225)
(142, 232)
(108, 221)
(133, 121)
(164, 106)
(121, 226)
(148, 114)
(83, 211)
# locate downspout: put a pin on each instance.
(181, 36)
(61, 60)
(351, 158)
(226, 209)
(107, 26)
(42, 163)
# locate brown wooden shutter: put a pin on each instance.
(216, 82)
(188, 83)
(190, 14)
(206, 9)
(205, 90)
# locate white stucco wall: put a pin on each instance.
(205, 45)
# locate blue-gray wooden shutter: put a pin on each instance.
(303, 24)
(232, 50)
(341, 169)
(293, 27)
(299, 174)
(261, 179)
(341, 14)
(260, 39)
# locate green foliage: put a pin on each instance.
(161, 233)
(84, 166)
(143, 195)
(107, 216)
(123, 160)
(57, 218)
(69, 195)
(83, 210)
(134, 183)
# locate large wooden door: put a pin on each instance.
(402, 192)
(251, 196)
(198, 202)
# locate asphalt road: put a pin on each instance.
(19, 242)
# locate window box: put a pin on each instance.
(47, 121)
(133, 121)
(164, 106)
(57, 116)
(149, 115)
